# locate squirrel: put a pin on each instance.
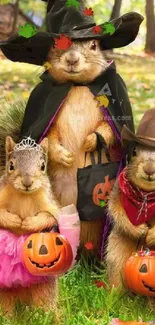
(72, 132)
(27, 205)
(125, 236)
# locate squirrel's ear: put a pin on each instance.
(44, 144)
(9, 145)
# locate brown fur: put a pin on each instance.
(124, 237)
(72, 132)
(27, 211)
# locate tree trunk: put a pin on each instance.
(150, 25)
(116, 9)
(16, 11)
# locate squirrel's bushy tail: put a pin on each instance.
(11, 117)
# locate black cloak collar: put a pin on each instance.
(48, 97)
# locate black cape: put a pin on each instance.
(47, 98)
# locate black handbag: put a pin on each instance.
(95, 183)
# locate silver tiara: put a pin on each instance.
(29, 144)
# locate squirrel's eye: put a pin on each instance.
(134, 152)
(93, 46)
(43, 166)
(12, 166)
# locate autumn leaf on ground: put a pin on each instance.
(27, 30)
(72, 3)
(88, 12)
(97, 30)
(62, 43)
(100, 284)
(108, 28)
(89, 245)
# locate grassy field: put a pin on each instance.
(80, 301)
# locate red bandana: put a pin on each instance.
(138, 204)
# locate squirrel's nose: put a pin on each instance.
(149, 169)
(72, 60)
(27, 181)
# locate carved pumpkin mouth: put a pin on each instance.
(148, 287)
(42, 266)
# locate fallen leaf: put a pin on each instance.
(89, 245)
(100, 284)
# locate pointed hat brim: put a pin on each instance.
(35, 49)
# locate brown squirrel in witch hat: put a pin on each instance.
(132, 201)
(64, 106)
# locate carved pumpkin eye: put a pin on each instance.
(58, 241)
(29, 244)
(93, 46)
(143, 269)
(43, 250)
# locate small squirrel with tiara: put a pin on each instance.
(27, 205)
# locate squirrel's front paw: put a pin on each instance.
(63, 156)
(38, 222)
(90, 143)
(150, 238)
(13, 221)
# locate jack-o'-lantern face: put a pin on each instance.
(140, 273)
(47, 253)
(102, 191)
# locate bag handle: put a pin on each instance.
(101, 144)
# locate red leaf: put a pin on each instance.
(97, 30)
(100, 284)
(89, 245)
(88, 12)
(62, 43)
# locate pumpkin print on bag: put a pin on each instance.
(140, 273)
(102, 191)
(47, 254)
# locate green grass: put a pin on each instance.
(80, 302)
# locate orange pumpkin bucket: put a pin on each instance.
(140, 273)
(47, 254)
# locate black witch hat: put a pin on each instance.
(71, 22)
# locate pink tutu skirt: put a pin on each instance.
(12, 270)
